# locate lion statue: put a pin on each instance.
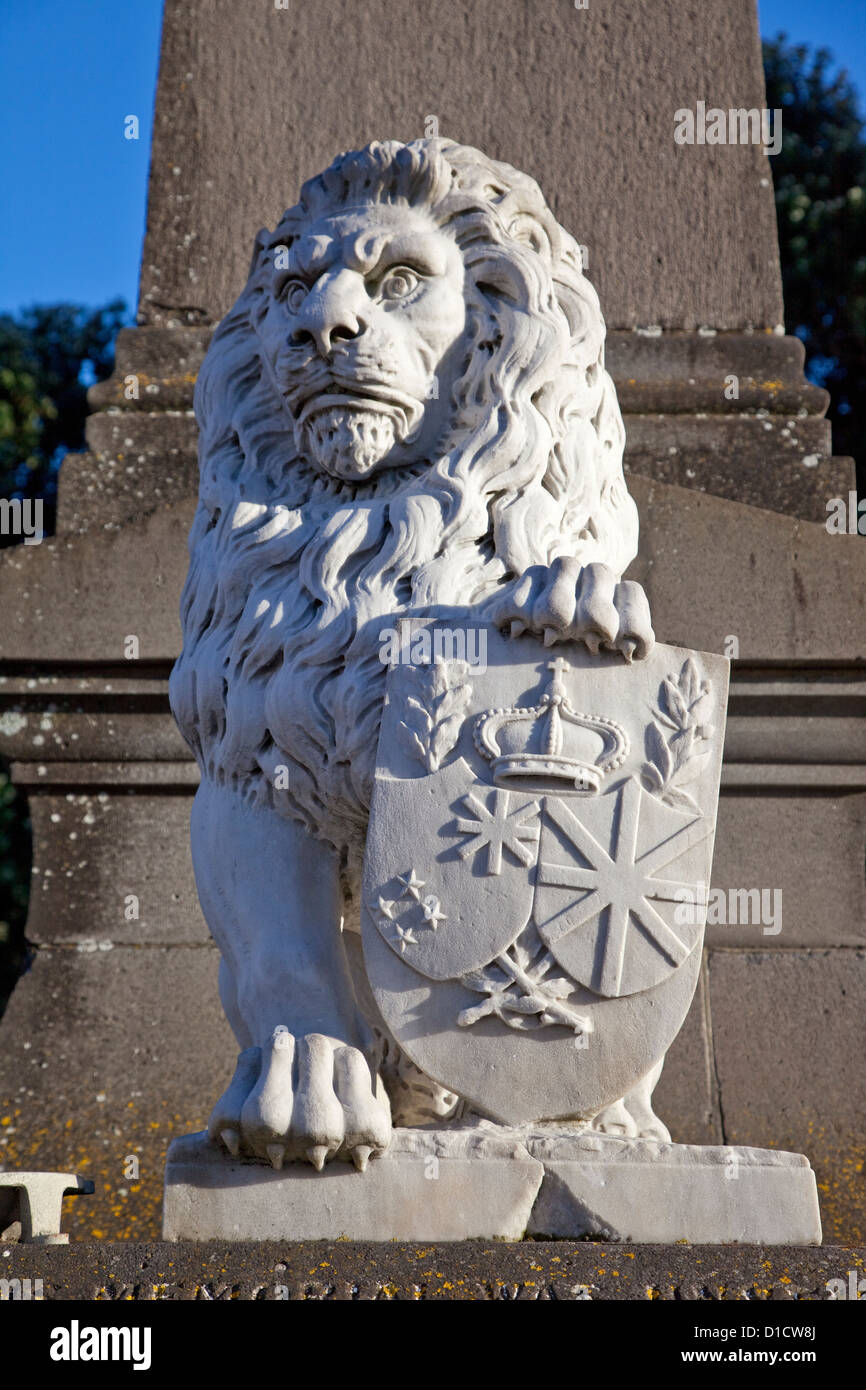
(406, 410)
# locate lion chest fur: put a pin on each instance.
(280, 686)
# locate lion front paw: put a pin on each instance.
(570, 602)
(313, 1098)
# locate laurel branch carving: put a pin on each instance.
(435, 707)
(678, 757)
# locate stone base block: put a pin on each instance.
(484, 1181)
(647, 1192)
(419, 1191)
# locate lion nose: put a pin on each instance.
(332, 312)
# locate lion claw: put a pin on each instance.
(566, 603)
(276, 1153)
(231, 1139)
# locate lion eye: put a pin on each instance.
(398, 283)
(293, 294)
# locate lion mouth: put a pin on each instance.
(376, 397)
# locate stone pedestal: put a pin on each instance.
(495, 1183)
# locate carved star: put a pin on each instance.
(406, 937)
(411, 885)
(386, 907)
(432, 913)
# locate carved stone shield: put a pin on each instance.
(538, 854)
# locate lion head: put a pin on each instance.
(406, 408)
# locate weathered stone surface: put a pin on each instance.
(80, 598)
(429, 1186)
(697, 367)
(106, 1055)
(114, 868)
(155, 370)
(123, 438)
(797, 715)
(678, 236)
(809, 850)
(527, 1271)
(732, 459)
(685, 1096)
(154, 464)
(89, 718)
(703, 560)
(643, 1191)
(496, 1183)
(679, 441)
(795, 1018)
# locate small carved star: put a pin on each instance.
(432, 912)
(411, 884)
(386, 907)
(406, 937)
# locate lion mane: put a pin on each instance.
(293, 575)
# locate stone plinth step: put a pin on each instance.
(490, 1182)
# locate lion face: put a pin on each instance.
(362, 333)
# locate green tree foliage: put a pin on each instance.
(49, 355)
(820, 184)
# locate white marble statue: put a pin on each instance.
(406, 419)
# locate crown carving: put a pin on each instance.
(550, 745)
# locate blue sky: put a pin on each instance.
(71, 71)
(75, 189)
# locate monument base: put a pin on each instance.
(487, 1182)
